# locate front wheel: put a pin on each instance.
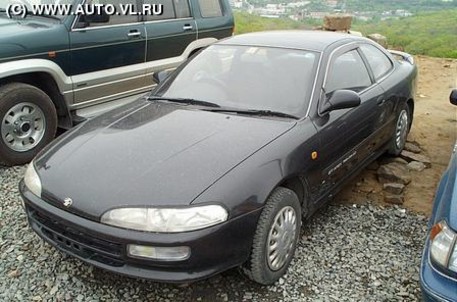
(276, 237)
(402, 127)
(28, 122)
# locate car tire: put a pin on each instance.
(402, 127)
(28, 122)
(281, 219)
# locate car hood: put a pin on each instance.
(30, 36)
(147, 153)
(445, 206)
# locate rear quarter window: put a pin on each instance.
(379, 63)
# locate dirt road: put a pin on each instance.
(434, 128)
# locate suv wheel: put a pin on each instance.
(28, 122)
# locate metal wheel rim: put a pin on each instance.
(281, 238)
(402, 129)
(23, 127)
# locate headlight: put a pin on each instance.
(443, 249)
(166, 220)
(32, 180)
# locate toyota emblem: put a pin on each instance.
(67, 202)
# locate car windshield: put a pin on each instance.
(4, 4)
(247, 77)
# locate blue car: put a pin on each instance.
(438, 273)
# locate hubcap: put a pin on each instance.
(23, 127)
(281, 238)
(402, 129)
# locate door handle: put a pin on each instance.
(187, 27)
(381, 101)
(133, 34)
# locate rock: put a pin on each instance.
(410, 156)
(388, 160)
(399, 160)
(394, 188)
(416, 166)
(412, 138)
(337, 22)
(394, 172)
(394, 199)
(411, 147)
(14, 274)
(378, 38)
(373, 166)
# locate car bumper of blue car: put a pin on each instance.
(435, 285)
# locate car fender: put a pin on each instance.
(246, 187)
(19, 67)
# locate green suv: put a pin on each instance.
(57, 69)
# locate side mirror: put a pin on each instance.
(453, 97)
(103, 17)
(341, 99)
(160, 76)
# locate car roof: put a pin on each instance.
(316, 40)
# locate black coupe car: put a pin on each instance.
(217, 167)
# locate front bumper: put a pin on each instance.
(213, 250)
(435, 286)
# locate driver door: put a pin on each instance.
(346, 134)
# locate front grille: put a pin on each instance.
(74, 241)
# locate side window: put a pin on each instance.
(379, 63)
(171, 9)
(168, 10)
(348, 72)
(182, 8)
(115, 19)
(210, 8)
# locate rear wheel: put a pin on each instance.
(276, 237)
(402, 127)
(28, 122)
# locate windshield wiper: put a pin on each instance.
(183, 101)
(255, 112)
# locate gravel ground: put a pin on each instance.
(346, 253)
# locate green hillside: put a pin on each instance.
(245, 23)
(433, 34)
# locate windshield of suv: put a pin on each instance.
(247, 77)
(5, 4)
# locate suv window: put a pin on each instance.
(348, 72)
(171, 9)
(210, 8)
(380, 64)
(113, 19)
